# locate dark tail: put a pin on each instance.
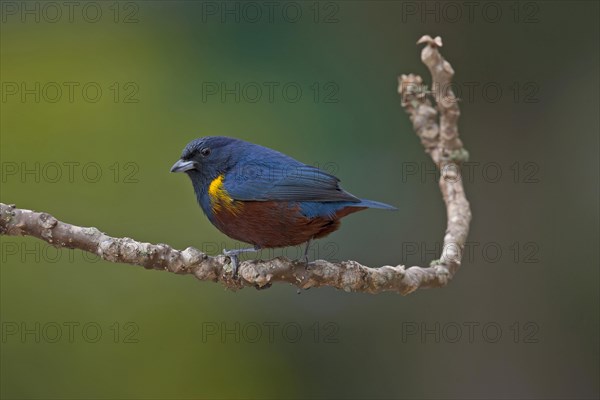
(374, 204)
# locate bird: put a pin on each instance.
(263, 197)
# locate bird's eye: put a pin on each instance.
(205, 152)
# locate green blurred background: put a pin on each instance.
(528, 287)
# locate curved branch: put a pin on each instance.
(444, 147)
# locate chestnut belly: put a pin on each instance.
(274, 223)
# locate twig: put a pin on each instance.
(443, 145)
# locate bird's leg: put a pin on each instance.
(306, 252)
(233, 255)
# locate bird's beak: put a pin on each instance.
(183, 165)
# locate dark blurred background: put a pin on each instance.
(99, 99)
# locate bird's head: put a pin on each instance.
(206, 158)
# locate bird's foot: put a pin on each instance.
(233, 256)
(234, 261)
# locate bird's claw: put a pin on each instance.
(233, 257)
(305, 259)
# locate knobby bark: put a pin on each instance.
(434, 114)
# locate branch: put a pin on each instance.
(441, 142)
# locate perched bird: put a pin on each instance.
(263, 197)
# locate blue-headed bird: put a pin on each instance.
(263, 197)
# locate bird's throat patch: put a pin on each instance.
(219, 197)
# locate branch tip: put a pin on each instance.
(437, 42)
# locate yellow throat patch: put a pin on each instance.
(219, 197)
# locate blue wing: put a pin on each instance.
(269, 175)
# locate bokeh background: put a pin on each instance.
(520, 319)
